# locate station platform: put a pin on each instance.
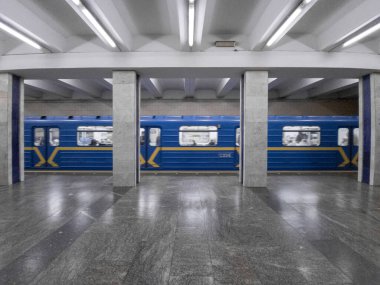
(183, 229)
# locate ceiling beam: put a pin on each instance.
(275, 12)
(341, 94)
(299, 86)
(225, 86)
(332, 86)
(108, 14)
(105, 83)
(105, 25)
(48, 86)
(349, 93)
(204, 10)
(153, 86)
(81, 86)
(189, 86)
(178, 20)
(24, 20)
(282, 64)
(351, 21)
(274, 82)
(31, 92)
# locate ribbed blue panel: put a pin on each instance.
(15, 129)
(366, 128)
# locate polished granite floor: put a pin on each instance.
(77, 229)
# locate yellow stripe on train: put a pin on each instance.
(153, 156)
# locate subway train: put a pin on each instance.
(192, 143)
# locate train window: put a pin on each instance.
(301, 136)
(237, 135)
(198, 136)
(343, 136)
(356, 136)
(54, 137)
(94, 136)
(39, 137)
(154, 136)
(142, 136)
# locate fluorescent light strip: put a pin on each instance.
(77, 2)
(191, 22)
(18, 35)
(282, 30)
(362, 35)
(98, 27)
(270, 80)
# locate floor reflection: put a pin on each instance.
(303, 229)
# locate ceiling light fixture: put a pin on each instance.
(284, 28)
(362, 35)
(281, 31)
(20, 36)
(95, 23)
(191, 22)
(98, 27)
(270, 80)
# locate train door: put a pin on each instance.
(153, 147)
(150, 142)
(237, 147)
(348, 139)
(45, 141)
(354, 147)
(143, 148)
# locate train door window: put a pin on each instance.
(356, 136)
(301, 136)
(54, 137)
(237, 137)
(154, 136)
(39, 137)
(94, 136)
(343, 136)
(142, 136)
(198, 136)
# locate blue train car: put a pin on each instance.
(200, 143)
(313, 143)
(65, 143)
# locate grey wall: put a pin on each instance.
(192, 107)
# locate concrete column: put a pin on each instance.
(11, 129)
(254, 129)
(369, 125)
(126, 122)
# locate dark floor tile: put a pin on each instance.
(191, 280)
(191, 235)
(231, 265)
(357, 268)
(104, 272)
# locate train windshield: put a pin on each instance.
(198, 136)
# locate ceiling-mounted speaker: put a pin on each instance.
(225, 43)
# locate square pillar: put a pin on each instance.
(11, 129)
(369, 126)
(254, 129)
(126, 128)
